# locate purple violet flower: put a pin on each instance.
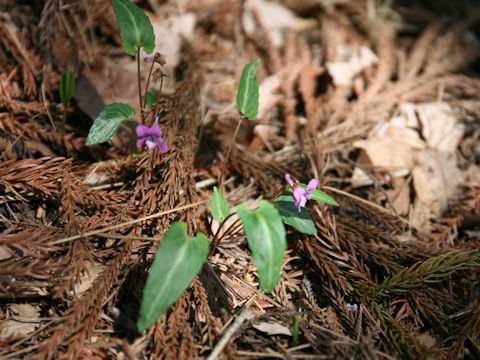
(301, 196)
(352, 307)
(149, 59)
(152, 136)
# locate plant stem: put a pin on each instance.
(220, 177)
(216, 239)
(146, 86)
(64, 119)
(139, 85)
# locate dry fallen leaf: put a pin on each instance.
(343, 72)
(169, 33)
(440, 127)
(275, 18)
(397, 146)
(24, 322)
(272, 328)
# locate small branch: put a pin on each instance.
(245, 314)
(136, 221)
(376, 206)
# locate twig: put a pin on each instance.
(376, 206)
(245, 314)
(258, 292)
(153, 216)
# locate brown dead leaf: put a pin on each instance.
(274, 17)
(440, 127)
(169, 33)
(91, 273)
(272, 328)
(24, 320)
(343, 72)
(400, 195)
(435, 180)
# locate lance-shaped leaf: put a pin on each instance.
(67, 86)
(135, 27)
(177, 261)
(108, 122)
(247, 96)
(316, 195)
(219, 206)
(290, 215)
(267, 240)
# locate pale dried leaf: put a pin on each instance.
(272, 328)
(441, 129)
(25, 320)
(275, 18)
(343, 72)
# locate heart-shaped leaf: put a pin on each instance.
(247, 96)
(290, 215)
(67, 86)
(316, 195)
(151, 100)
(135, 27)
(177, 261)
(219, 206)
(108, 121)
(267, 240)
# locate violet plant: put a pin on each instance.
(180, 257)
(136, 32)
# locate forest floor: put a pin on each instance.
(378, 100)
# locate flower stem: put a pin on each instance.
(146, 86)
(64, 119)
(220, 177)
(139, 85)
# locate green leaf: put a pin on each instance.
(108, 122)
(290, 215)
(220, 208)
(67, 86)
(267, 240)
(247, 96)
(316, 195)
(135, 27)
(178, 260)
(151, 100)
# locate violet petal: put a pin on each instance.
(312, 185)
(289, 180)
(142, 130)
(163, 146)
(151, 143)
(155, 131)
